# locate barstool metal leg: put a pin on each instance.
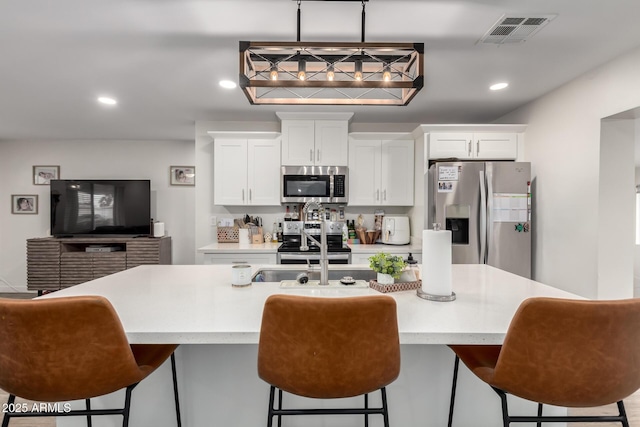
(366, 406)
(88, 406)
(279, 407)
(506, 421)
(127, 406)
(456, 365)
(385, 408)
(175, 389)
(623, 414)
(270, 415)
(7, 417)
(539, 423)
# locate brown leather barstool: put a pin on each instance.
(329, 348)
(569, 353)
(71, 348)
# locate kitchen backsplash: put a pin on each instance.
(271, 214)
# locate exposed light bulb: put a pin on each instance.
(302, 69)
(273, 74)
(358, 70)
(386, 74)
(331, 74)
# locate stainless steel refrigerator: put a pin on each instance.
(487, 207)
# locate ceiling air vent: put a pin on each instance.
(515, 29)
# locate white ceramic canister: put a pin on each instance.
(241, 275)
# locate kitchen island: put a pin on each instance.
(218, 326)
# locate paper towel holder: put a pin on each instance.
(432, 297)
(438, 298)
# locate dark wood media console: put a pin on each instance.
(56, 263)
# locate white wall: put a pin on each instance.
(85, 160)
(564, 146)
(616, 244)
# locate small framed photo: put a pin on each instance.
(182, 175)
(42, 175)
(24, 204)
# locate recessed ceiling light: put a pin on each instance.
(498, 86)
(106, 100)
(228, 84)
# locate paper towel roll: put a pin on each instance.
(158, 229)
(436, 262)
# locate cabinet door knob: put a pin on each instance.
(478, 149)
(243, 194)
(378, 194)
(469, 149)
(318, 159)
(249, 194)
(311, 155)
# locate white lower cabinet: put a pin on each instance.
(381, 172)
(248, 258)
(247, 172)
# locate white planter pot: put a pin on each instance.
(385, 279)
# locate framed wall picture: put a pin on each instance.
(24, 204)
(42, 175)
(182, 175)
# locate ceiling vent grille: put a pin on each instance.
(515, 29)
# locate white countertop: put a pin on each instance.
(415, 248)
(196, 304)
(236, 248)
(239, 248)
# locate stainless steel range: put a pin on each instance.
(289, 252)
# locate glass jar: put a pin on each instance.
(411, 272)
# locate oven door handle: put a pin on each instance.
(313, 256)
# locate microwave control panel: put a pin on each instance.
(338, 186)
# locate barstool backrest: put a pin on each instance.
(572, 353)
(329, 347)
(64, 348)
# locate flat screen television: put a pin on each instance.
(100, 208)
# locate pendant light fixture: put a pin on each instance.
(331, 73)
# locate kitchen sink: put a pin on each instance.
(278, 275)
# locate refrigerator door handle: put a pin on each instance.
(489, 210)
(483, 219)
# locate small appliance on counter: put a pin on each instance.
(395, 230)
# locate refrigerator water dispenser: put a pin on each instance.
(457, 221)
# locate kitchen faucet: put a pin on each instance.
(322, 244)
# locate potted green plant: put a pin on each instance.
(387, 266)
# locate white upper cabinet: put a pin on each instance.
(396, 173)
(246, 172)
(473, 145)
(332, 139)
(381, 172)
(315, 141)
(298, 142)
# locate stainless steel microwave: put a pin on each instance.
(326, 184)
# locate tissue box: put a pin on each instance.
(395, 287)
